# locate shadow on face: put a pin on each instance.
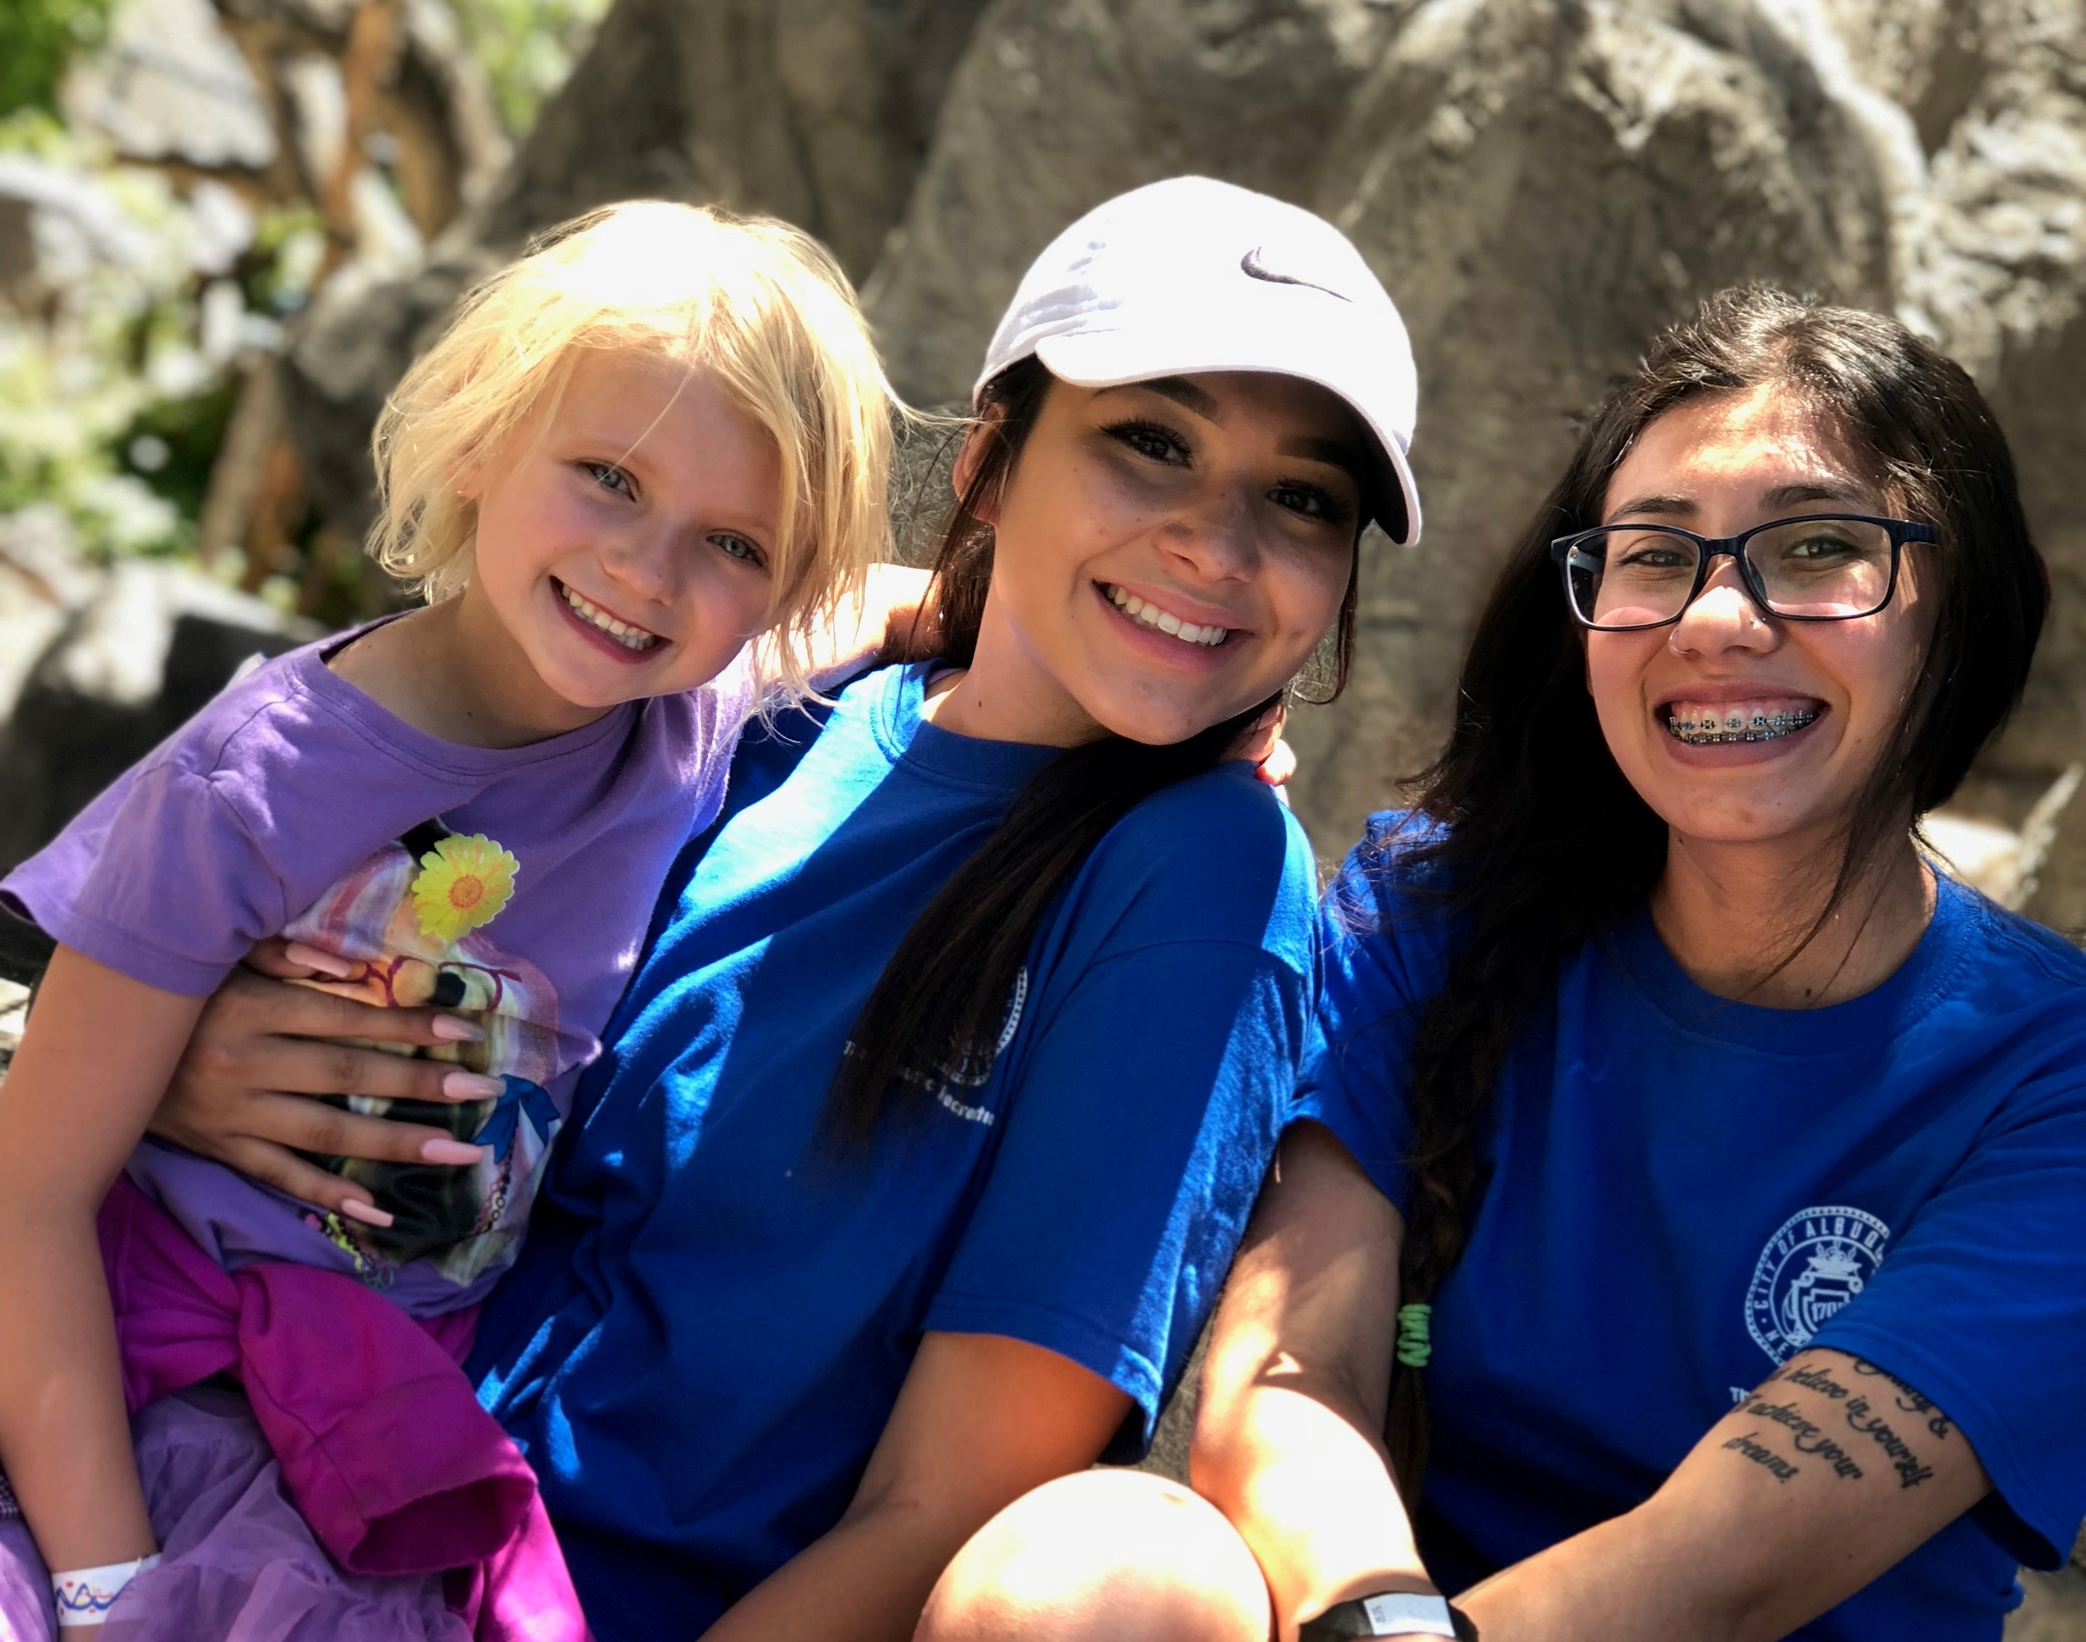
(1167, 554)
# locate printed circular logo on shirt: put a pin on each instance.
(973, 1071)
(1817, 1262)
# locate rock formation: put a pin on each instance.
(1541, 183)
(96, 667)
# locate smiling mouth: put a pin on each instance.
(1164, 621)
(1700, 724)
(630, 638)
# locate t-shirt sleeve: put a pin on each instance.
(1981, 1306)
(1145, 1108)
(1384, 945)
(161, 878)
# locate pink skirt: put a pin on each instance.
(237, 1562)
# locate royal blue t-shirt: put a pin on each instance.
(1685, 1191)
(712, 1318)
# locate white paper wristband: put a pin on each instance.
(1409, 1615)
(85, 1595)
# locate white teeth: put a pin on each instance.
(630, 638)
(1164, 621)
(1702, 725)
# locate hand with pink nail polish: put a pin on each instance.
(262, 1047)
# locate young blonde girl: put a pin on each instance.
(660, 435)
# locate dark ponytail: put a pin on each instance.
(1543, 843)
(942, 999)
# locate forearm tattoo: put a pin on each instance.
(1870, 1415)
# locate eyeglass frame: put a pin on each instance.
(1713, 547)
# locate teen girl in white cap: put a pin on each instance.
(930, 1122)
(1686, 1234)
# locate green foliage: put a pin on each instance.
(172, 444)
(526, 48)
(36, 39)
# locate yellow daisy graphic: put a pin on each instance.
(462, 885)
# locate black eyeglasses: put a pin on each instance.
(1822, 567)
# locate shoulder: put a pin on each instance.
(2019, 979)
(291, 719)
(1217, 857)
(1388, 923)
(1393, 891)
(2034, 958)
(255, 709)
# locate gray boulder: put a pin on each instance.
(104, 664)
(1541, 183)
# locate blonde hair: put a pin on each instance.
(758, 303)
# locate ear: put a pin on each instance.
(976, 442)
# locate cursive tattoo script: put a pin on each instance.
(1869, 1413)
(1805, 1436)
(1760, 1454)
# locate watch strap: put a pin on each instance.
(1389, 1613)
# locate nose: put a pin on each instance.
(641, 560)
(1215, 540)
(1723, 616)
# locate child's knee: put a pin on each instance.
(1105, 1554)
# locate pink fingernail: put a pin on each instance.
(368, 1213)
(311, 957)
(470, 1086)
(452, 1030)
(450, 1151)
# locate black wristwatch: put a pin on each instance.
(1389, 1613)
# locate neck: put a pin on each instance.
(1733, 917)
(453, 671)
(1007, 695)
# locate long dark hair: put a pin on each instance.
(941, 1000)
(1527, 794)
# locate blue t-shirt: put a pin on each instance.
(1685, 1191)
(711, 1320)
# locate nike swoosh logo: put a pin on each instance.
(1251, 265)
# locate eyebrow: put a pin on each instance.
(1181, 391)
(1336, 453)
(1333, 453)
(1792, 495)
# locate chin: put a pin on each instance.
(1150, 727)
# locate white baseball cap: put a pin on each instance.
(1192, 275)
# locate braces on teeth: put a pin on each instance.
(1733, 727)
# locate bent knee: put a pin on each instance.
(1104, 1554)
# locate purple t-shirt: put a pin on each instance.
(511, 886)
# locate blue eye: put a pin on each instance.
(738, 547)
(610, 477)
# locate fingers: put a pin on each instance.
(312, 1126)
(278, 1127)
(308, 1183)
(251, 1005)
(1279, 765)
(274, 958)
(299, 1066)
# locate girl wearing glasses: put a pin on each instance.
(1683, 1231)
